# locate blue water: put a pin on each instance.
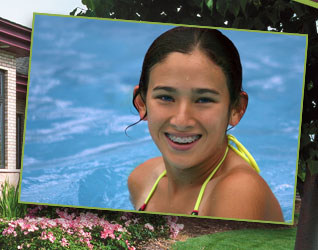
(82, 77)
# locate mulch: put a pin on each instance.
(194, 227)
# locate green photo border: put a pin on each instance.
(146, 212)
(308, 2)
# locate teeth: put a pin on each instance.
(188, 139)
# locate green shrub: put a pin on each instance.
(9, 206)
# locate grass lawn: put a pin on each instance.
(243, 239)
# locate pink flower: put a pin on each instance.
(51, 223)
(129, 247)
(127, 223)
(64, 214)
(107, 232)
(9, 230)
(175, 229)
(64, 242)
(135, 221)
(12, 224)
(172, 219)
(150, 227)
(32, 228)
(43, 235)
(90, 246)
(51, 237)
(63, 222)
(128, 215)
(123, 217)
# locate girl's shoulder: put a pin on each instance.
(242, 193)
(142, 178)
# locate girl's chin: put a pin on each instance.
(179, 162)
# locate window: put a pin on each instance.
(20, 122)
(2, 119)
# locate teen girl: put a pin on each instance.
(190, 91)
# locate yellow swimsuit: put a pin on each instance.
(241, 151)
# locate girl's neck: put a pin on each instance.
(180, 179)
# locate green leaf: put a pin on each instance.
(73, 12)
(89, 4)
(92, 4)
(9, 206)
(302, 171)
(313, 167)
(86, 3)
(209, 3)
(201, 5)
(310, 85)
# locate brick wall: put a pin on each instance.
(8, 65)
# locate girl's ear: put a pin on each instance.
(238, 110)
(140, 105)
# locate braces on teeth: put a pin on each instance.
(183, 139)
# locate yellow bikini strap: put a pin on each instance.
(197, 204)
(242, 151)
(155, 186)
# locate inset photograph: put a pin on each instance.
(168, 119)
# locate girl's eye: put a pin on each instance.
(204, 100)
(165, 98)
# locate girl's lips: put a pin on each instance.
(182, 146)
(182, 134)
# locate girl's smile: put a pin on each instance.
(187, 107)
(182, 142)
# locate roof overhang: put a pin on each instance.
(15, 38)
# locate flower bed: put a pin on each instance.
(55, 228)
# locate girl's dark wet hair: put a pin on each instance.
(186, 39)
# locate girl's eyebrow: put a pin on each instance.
(204, 91)
(166, 88)
(199, 91)
(194, 90)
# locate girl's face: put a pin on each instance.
(188, 108)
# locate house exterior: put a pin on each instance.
(15, 43)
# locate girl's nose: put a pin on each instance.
(182, 118)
